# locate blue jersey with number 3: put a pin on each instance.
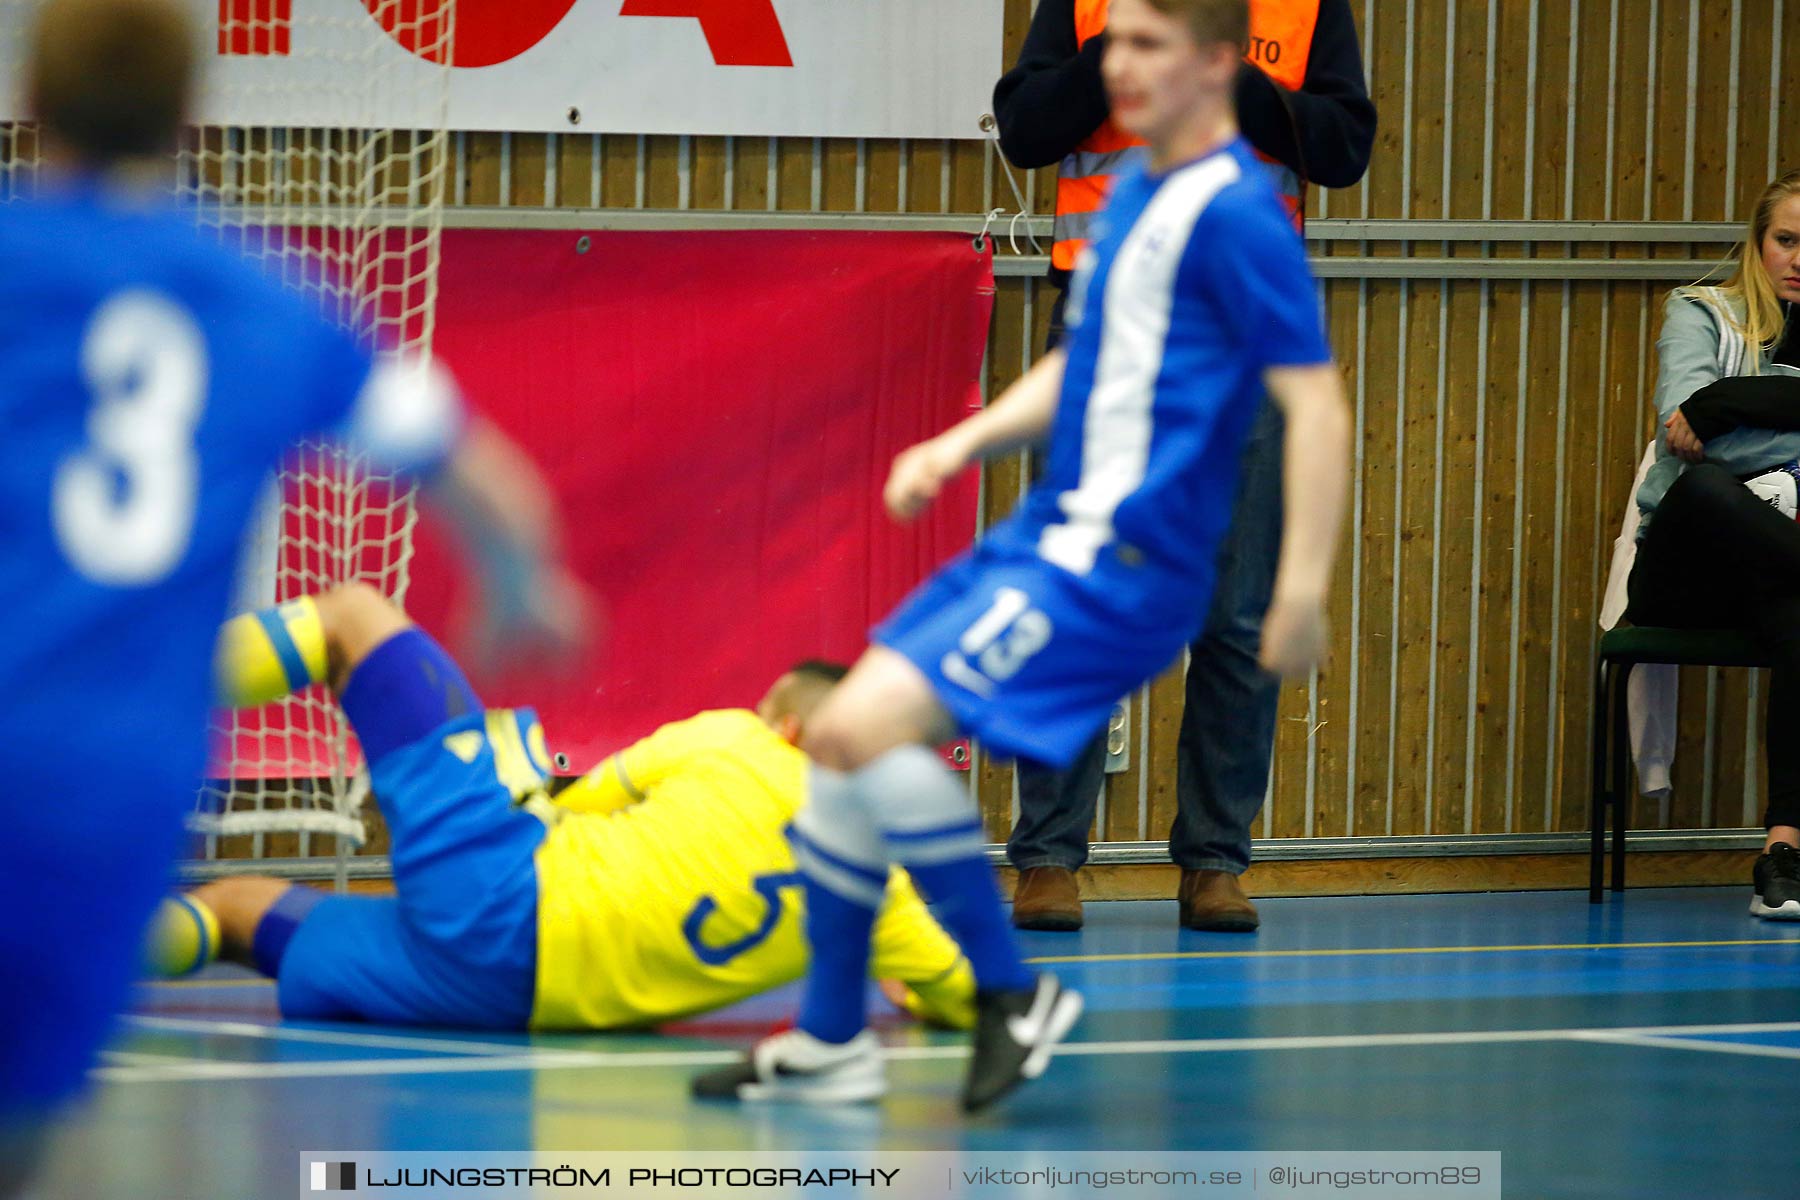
(150, 380)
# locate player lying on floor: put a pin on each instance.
(659, 885)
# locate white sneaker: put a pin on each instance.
(797, 1068)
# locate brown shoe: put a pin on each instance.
(1212, 900)
(1047, 898)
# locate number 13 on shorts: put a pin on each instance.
(999, 643)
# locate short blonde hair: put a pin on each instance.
(1211, 20)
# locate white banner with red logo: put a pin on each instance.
(821, 68)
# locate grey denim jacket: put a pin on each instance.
(1697, 346)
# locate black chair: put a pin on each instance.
(1621, 650)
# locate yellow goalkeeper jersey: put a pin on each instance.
(666, 887)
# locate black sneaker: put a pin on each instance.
(1014, 1034)
(795, 1067)
(1777, 878)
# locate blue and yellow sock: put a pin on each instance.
(263, 656)
(184, 936)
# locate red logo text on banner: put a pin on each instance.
(740, 33)
(487, 31)
(255, 27)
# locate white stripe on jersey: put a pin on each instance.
(1134, 326)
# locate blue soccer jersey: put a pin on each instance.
(150, 381)
(1194, 285)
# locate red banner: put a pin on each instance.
(716, 413)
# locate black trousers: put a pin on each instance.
(1717, 557)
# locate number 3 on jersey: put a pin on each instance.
(123, 504)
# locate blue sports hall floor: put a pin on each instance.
(1644, 1048)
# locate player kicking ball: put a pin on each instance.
(657, 886)
(1193, 298)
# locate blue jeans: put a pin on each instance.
(1228, 724)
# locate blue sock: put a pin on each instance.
(962, 895)
(269, 943)
(932, 830)
(842, 864)
(832, 1006)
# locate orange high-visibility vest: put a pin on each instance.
(1281, 33)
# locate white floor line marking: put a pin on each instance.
(134, 1058)
(1649, 1036)
(1676, 1043)
(287, 1033)
(1693, 1030)
(218, 1072)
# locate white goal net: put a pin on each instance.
(351, 216)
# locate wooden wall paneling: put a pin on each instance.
(994, 792)
(1787, 90)
(1043, 302)
(1414, 715)
(529, 156)
(842, 163)
(925, 176)
(1442, 537)
(1428, 97)
(881, 159)
(1593, 100)
(1459, 415)
(1469, 116)
(1583, 536)
(1672, 99)
(1380, 601)
(481, 168)
(1284, 814)
(1710, 116)
(1757, 50)
(1631, 114)
(1552, 151)
(1500, 534)
(618, 170)
(1158, 747)
(750, 173)
(574, 170)
(1514, 123)
(1539, 698)
(1331, 806)
(708, 158)
(969, 178)
(794, 171)
(1589, 182)
(661, 163)
(1385, 52)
